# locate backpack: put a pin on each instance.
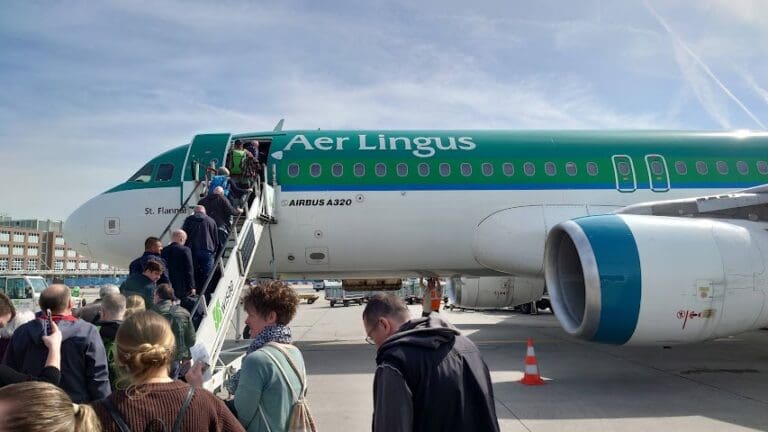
(219, 180)
(300, 419)
(122, 426)
(182, 350)
(236, 161)
(109, 347)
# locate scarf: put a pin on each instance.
(275, 333)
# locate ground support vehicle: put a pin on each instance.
(335, 293)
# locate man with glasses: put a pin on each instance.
(425, 366)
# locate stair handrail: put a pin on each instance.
(220, 257)
(184, 205)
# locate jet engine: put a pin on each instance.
(492, 292)
(653, 280)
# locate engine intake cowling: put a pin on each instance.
(630, 279)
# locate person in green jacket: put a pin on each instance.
(263, 398)
(181, 325)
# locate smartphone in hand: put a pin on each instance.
(47, 318)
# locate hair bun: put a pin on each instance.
(151, 355)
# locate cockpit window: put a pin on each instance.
(164, 172)
(144, 175)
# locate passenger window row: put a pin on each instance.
(444, 169)
(722, 167)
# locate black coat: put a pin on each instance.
(180, 269)
(448, 381)
(201, 232)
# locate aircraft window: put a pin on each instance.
(423, 169)
(742, 167)
(656, 168)
(762, 167)
(722, 167)
(681, 168)
(592, 168)
(315, 170)
(529, 169)
(445, 169)
(293, 170)
(487, 169)
(164, 172)
(381, 170)
(623, 168)
(337, 170)
(359, 169)
(466, 169)
(144, 175)
(402, 169)
(570, 168)
(550, 169)
(508, 168)
(701, 168)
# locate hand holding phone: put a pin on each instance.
(53, 339)
(47, 322)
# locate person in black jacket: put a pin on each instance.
(218, 207)
(84, 374)
(181, 269)
(429, 377)
(153, 248)
(203, 241)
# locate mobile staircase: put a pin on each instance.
(219, 298)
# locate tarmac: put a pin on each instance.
(720, 385)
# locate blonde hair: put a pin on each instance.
(41, 406)
(143, 344)
(134, 303)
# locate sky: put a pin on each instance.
(92, 90)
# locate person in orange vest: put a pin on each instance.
(432, 296)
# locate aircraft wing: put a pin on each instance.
(747, 204)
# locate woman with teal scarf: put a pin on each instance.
(266, 385)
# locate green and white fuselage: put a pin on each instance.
(395, 203)
(399, 202)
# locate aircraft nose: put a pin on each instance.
(76, 230)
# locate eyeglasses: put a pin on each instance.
(368, 337)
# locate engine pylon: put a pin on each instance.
(531, 376)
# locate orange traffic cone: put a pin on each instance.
(531, 376)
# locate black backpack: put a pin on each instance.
(123, 426)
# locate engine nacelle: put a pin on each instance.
(630, 279)
(492, 292)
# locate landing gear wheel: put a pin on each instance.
(333, 303)
(525, 308)
(346, 303)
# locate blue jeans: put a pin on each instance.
(203, 261)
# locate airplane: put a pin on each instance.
(642, 237)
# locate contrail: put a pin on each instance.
(701, 63)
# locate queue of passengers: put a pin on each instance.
(424, 365)
(82, 393)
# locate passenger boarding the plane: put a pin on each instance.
(237, 161)
(145, 349)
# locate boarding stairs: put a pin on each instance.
(224, 293)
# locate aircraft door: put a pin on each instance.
(658, 176)
(624, 172)
(206, 150)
